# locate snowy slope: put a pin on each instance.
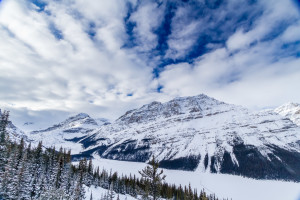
(196, 133)
(98, 193)
(203, 134)
(291, 111)
(68, 133)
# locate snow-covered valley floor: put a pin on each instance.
(224, 186)
(97, 193)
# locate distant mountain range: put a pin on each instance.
(196, 133)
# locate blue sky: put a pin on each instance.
(58, 58)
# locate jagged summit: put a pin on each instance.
(290, 110)
(193, 105)
(67, 133)
(81, 116)
(81, 119)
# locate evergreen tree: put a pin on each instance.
(23, 186)
(3, 124)
(79, 190)
(3, 143)
(154, 177)
(89, 174)
(111, 194)
(36, 173)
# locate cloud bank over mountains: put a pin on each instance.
(104, 57)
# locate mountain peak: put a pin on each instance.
(81, 119)
(189, 133)
(177, 106)
(81, 116)
(290, 110)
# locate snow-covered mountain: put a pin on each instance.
(196, 133)
(291, 111)
(69, 133)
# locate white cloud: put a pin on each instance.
(239, 40)
(292, 34)
(91, 72)
(147, 18)
(250, 78)
(184, 33)
(182, 39)
(275, 12)
(260, 74)
(40, 72)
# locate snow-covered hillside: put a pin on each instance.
(67, 134)
(196, 133)
(201, 133)
(99, 193)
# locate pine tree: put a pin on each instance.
(79, 190)
(89, 174)
(3, 137)
(111, 194)
(190, 192)
(3, 125)
(23, 186)
(154, 176)
(27, 173)
(59, 174)
(12, 180)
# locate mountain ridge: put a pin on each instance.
(197, 133)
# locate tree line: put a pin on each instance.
(46, 173)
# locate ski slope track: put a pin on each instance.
(196, 133)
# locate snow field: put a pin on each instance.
(223, 185)
(98, 192)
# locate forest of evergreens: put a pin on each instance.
(46, 173)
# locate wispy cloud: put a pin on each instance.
(40, 71)
(99, 57)
(253, 69)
